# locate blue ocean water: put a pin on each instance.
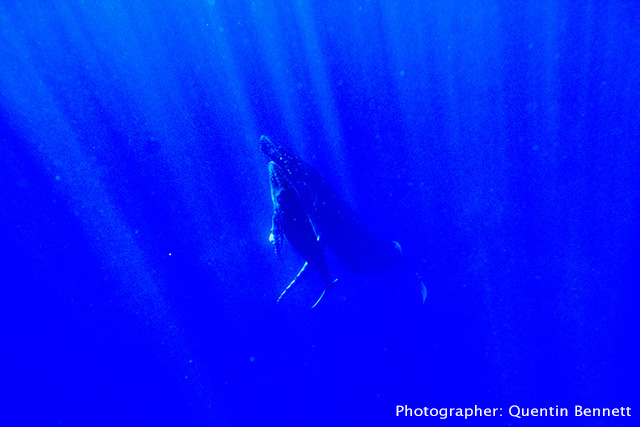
(497, 141)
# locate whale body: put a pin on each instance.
(291, 221)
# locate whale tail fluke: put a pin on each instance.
(423, 289)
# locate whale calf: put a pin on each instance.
(290, 221)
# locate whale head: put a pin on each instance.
(277, 177)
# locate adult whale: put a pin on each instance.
(291, 221)
(338, 228)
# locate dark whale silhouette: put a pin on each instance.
(291, 221)
(337, 226)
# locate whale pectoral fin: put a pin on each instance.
(321, 295)
(276, 232)
(303, 272)
(328, 288)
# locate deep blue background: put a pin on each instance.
(496, 140)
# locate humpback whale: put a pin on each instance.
(338, 228)
(290, 221)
